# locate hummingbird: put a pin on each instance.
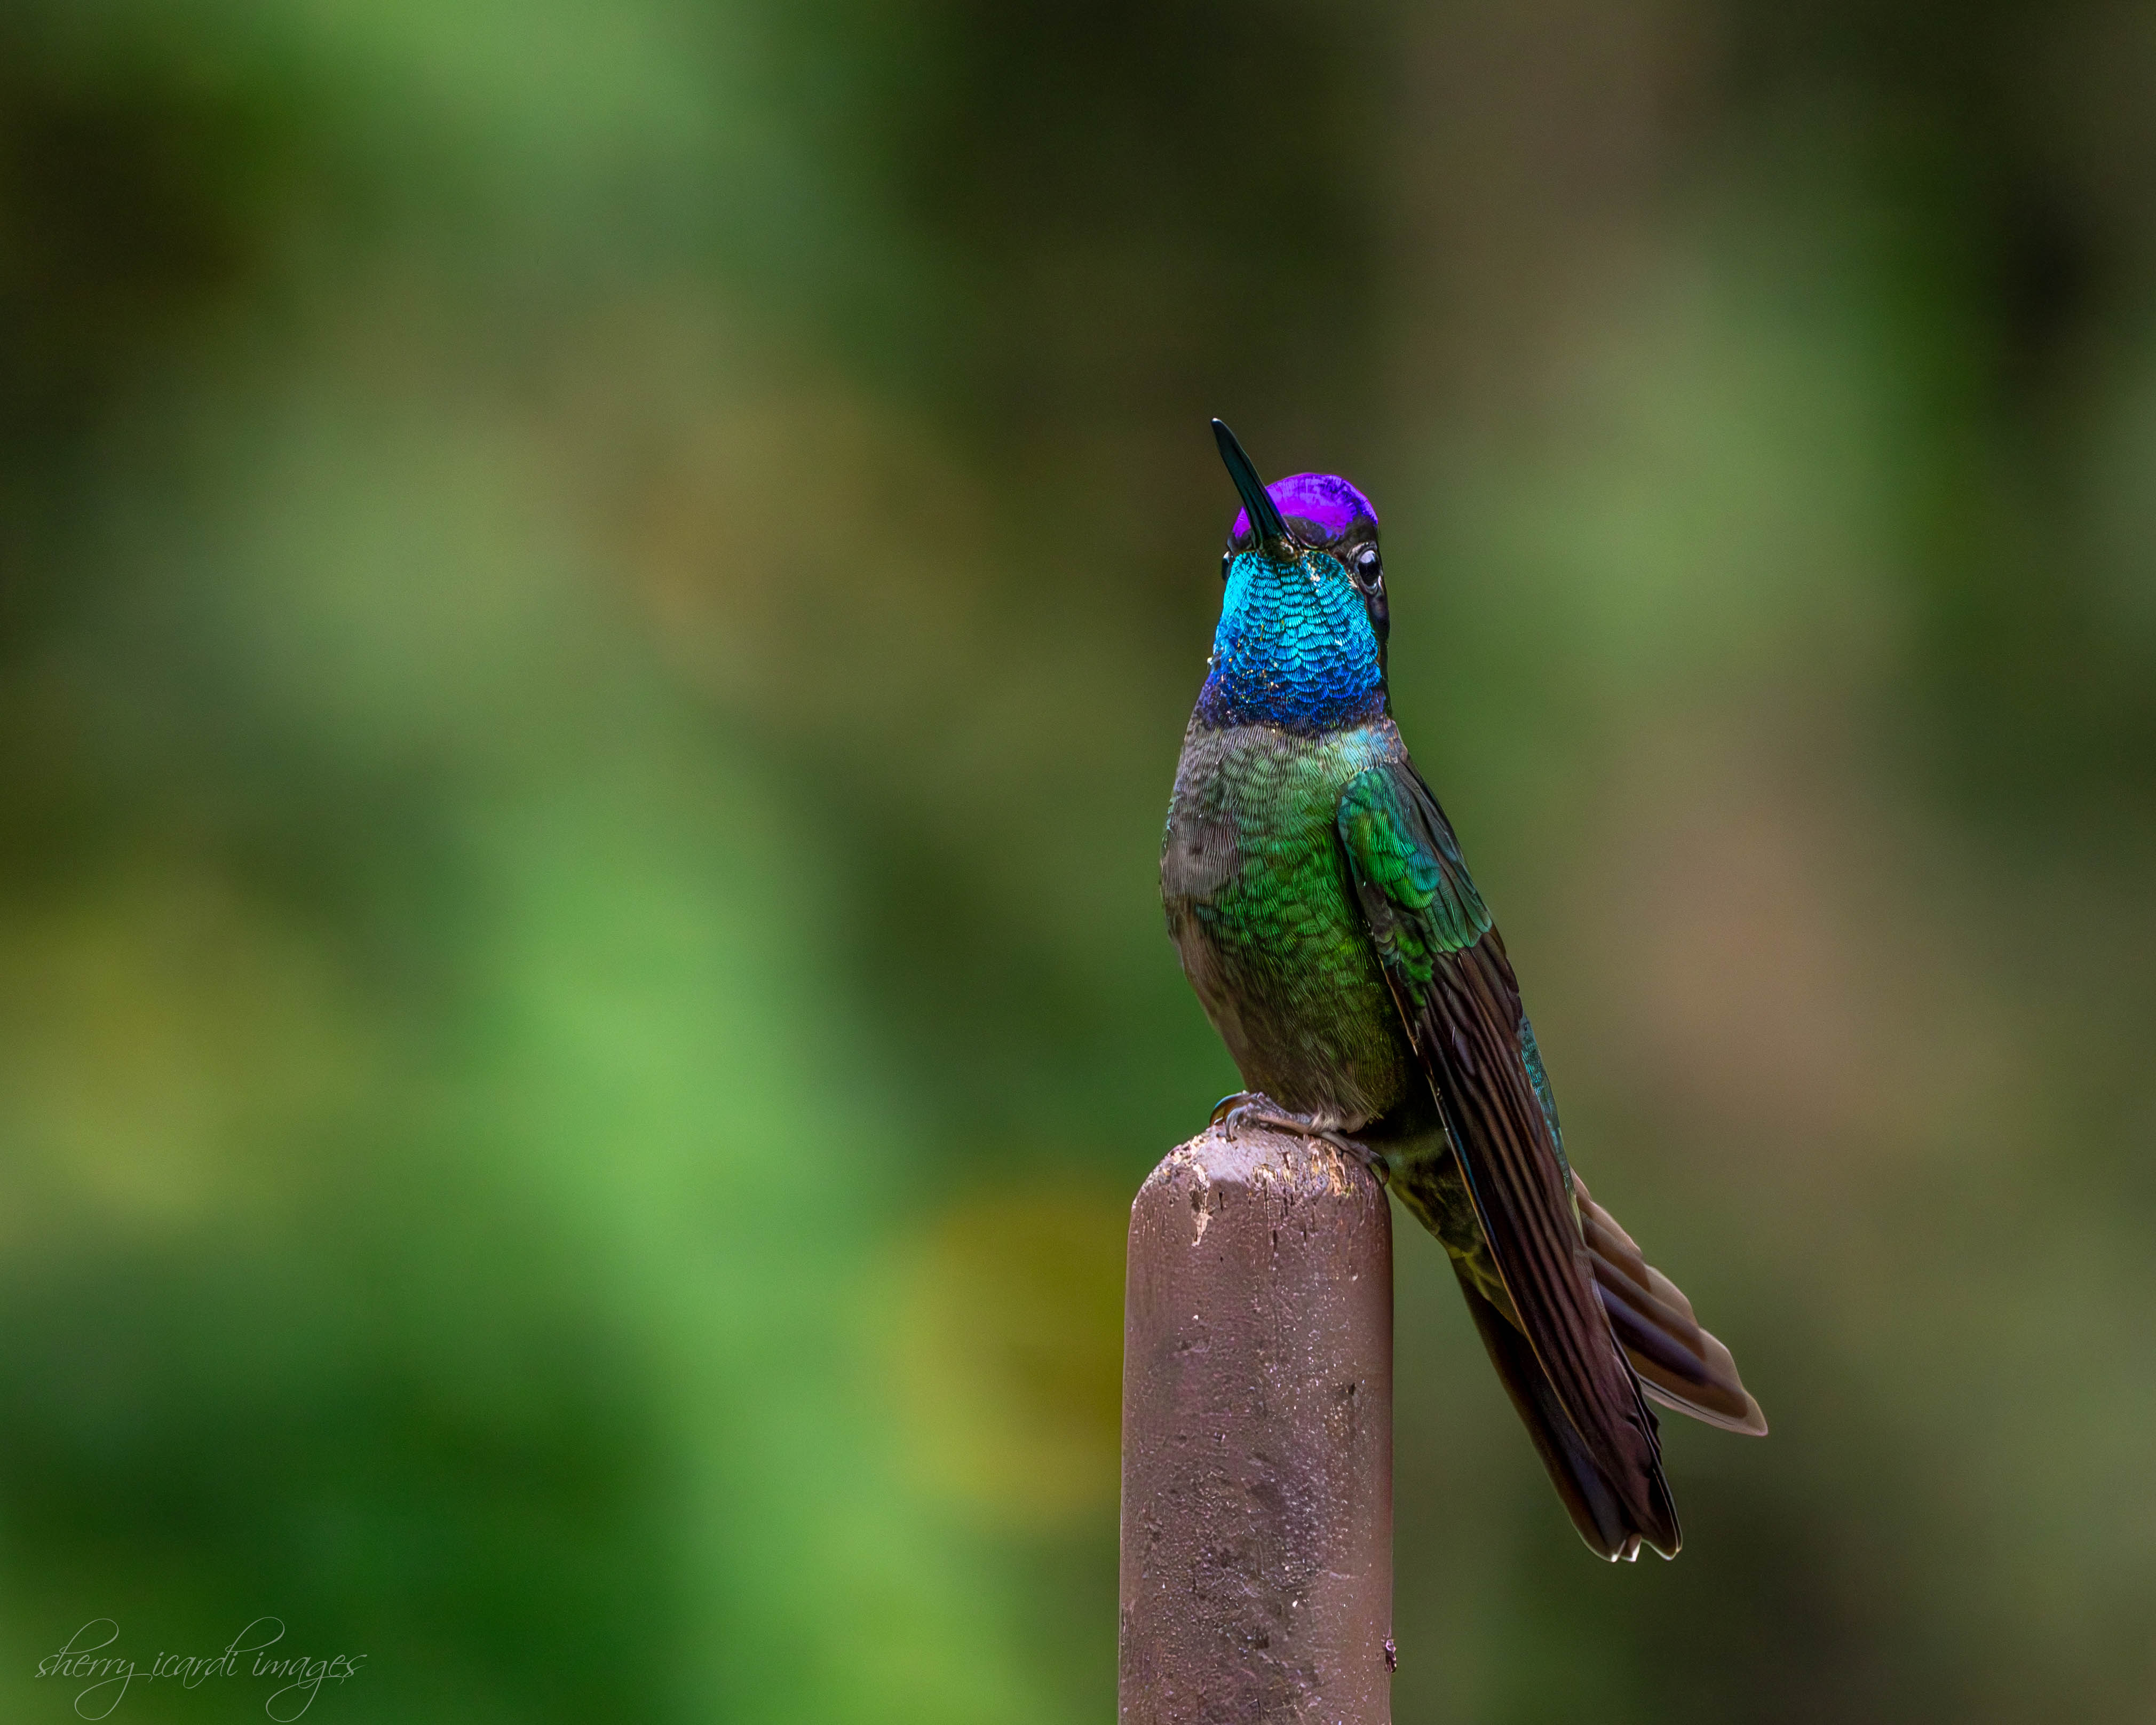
(1317, 897)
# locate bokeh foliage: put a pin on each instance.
(597, 604)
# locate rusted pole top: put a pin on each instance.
(1257, 1553)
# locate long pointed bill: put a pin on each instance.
(1264, 514)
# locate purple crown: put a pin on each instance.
(1324, 498)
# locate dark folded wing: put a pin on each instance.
(1446, 967)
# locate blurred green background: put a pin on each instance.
(597, 606)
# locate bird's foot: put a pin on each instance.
(1253, 1107)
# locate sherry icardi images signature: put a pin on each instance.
(89, 1659)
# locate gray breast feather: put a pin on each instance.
(1199, 856)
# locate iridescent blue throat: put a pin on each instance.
(1295, 649)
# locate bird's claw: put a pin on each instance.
(1226, 1107)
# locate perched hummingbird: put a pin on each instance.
(1327, 921)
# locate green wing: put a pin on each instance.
(1455, 989)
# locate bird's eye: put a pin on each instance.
(1367, 570)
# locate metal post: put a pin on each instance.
(1257, 1555)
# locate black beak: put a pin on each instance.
(1265, 513)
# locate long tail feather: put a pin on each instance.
(1595, 1506)
(1678, 1364)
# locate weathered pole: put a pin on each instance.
(1257, 1552)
